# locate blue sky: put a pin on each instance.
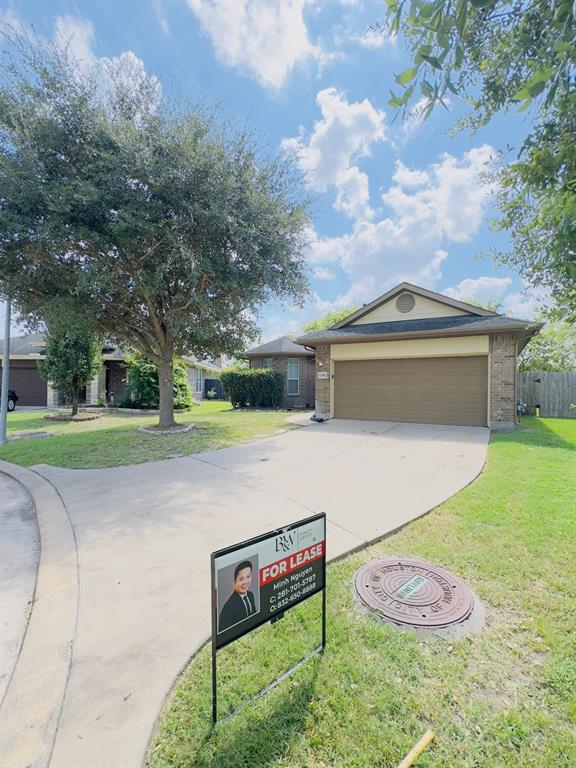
(396, 200)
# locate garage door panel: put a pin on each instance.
(26, 381)
(450, 390)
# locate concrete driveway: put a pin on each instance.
(19, 554)
(144, 534)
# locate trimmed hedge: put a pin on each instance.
(254, 387)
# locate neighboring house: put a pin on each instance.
(413, 355)
(297, 364)
(201, 373)
(109, 385)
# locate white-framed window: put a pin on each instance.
(266, 362)
(198, 380)
(293, 376)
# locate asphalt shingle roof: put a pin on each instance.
(281, 346)
(456, 322)
(31, 344)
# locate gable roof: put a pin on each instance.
(441, 299)
(455, 325)
(280, 346)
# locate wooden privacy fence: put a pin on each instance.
(554, 392)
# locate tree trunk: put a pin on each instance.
(166, 395)
(74, 399)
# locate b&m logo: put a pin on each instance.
(284, 542)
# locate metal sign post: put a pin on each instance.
(258, 580)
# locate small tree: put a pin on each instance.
(327, 320)
(73, 358)
(553, 349)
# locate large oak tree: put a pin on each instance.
(169, 228)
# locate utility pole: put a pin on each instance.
(5, 374)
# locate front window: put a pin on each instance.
(293, 375)
(267, 362)
(198, 381)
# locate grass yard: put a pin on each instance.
(114, 439)
(505, 698)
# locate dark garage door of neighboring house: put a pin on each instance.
(439, 390)
(27, 383)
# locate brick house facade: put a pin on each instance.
(417, 356)
(297, 365)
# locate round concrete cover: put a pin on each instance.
(413, 593)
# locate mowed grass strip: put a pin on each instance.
(505, 698)
(114, 439)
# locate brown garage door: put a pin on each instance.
(27, 383)
(440, 390)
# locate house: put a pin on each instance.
(413, 355)
(108, 386)
(297, 364)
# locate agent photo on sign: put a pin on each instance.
(242, 603)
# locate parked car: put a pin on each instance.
(12, 399)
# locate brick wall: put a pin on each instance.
(323, 385)
(502, 380)
(305, 396)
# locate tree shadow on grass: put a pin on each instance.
(259, 734)
(538, 433)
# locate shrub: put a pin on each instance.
(143, 388)
(254, 387)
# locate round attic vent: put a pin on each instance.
(405, 302)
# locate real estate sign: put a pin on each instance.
(257, 580)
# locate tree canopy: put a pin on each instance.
(552, 349)
(168, 227)
(497, 55)
(327, 320)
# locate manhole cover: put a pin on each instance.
(413, 593)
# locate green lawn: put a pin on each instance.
(505, 698)
(114, 439)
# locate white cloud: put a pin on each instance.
(361, 292)
(158, 8)
(320, 273)
(264, 38)
(373, 38)
(10, 19)
(528, 303)
(461, 193)
(480, 288)
(328, 156)
(77, 35)
(122, 73)
(405, 177)
(428, 208)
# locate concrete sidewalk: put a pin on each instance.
(144, 534)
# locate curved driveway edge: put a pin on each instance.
(31, 708)
(145, 532)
